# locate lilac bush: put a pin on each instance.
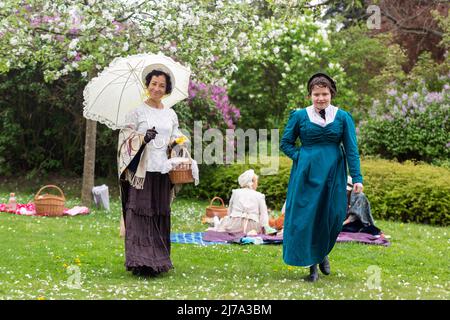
(209, 104)
(409, 125)
(217, 96)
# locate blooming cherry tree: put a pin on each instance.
(79, 36)
(85, 36)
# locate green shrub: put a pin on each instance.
(402, 192)
(408, 192)
(415, 126)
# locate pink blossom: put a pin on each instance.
(35, 22)
(118, 26)
(47, 19)
(392, 92)
(219, 96)
(74, 31)
(433, 97)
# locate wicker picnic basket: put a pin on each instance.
(183, 172)
(49, 204)
(219, 211)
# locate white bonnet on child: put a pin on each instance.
(246, 179)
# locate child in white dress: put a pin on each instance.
(247, 210)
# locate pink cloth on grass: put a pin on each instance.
(29, 209)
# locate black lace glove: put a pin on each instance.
(150, 135)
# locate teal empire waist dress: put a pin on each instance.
(316, 201)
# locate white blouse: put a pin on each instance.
(250, 204)
(165, 122)
(314, 116)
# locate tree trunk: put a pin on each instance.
(89, 162)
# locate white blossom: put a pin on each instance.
(46, 37)
(91, 24)
(73, 44)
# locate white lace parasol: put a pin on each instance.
(120, 87)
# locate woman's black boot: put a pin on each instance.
(136, 271)
(325, 266)
(313, 274)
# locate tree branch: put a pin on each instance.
(412, 30)
(132, 14)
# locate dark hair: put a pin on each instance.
(323, 83)
(157, 73)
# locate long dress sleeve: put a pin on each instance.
(263, 214)
(290, 135)
(351, 149)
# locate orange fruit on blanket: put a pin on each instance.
(277, 223)
(272, 222)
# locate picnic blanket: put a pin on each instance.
(240, 238)
(214, 237)
(361, 237)
(29, 209)
(192, 238)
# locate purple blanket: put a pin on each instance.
(343, 237)
(362, 238)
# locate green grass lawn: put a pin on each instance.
(43, 258)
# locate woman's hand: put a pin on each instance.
(358, 187)
(150, 135)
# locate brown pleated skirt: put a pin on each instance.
(147, 221)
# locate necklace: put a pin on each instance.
(151, 106)
(153, 142)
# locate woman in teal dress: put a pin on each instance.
(316, 202)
